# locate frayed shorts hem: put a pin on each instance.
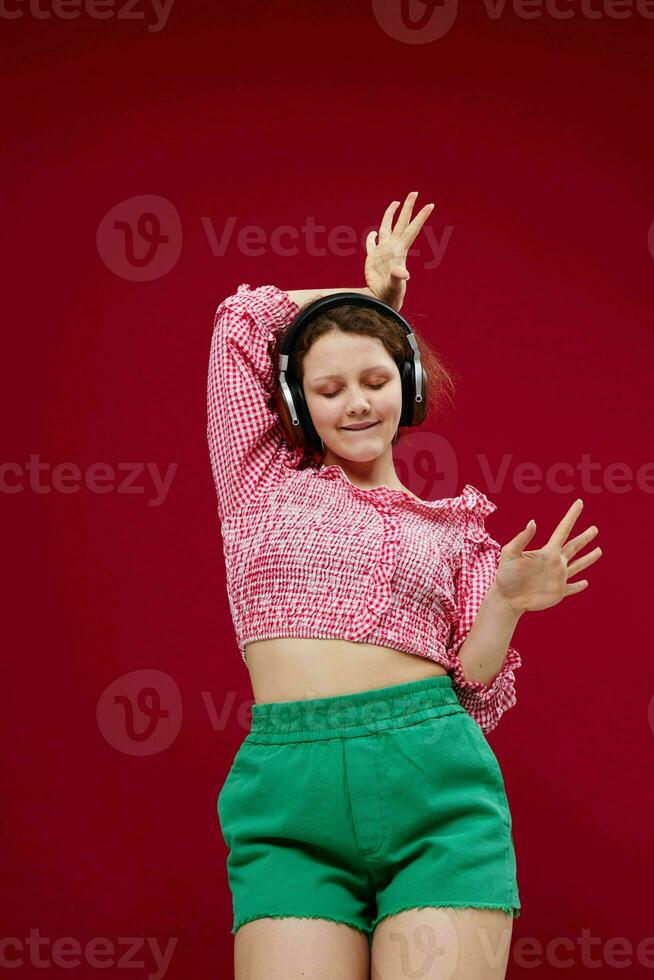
(512, 910)
(368, 930)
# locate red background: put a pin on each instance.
(534, 138)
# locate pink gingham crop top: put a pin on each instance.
(308, 554)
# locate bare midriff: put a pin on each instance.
(294, 669)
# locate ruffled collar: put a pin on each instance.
(469, 499)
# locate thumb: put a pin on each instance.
(400, 272)
(519, 542)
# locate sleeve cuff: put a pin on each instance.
(486, 702)
(269, 305)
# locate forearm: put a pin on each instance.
(302, 296)
(483, 653)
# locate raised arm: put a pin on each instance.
(246, 443)
(247, 446)
(303, 296)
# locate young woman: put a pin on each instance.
(365, 808)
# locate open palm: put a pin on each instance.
(385, 270)
(532, 580)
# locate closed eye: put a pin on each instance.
(374, 387)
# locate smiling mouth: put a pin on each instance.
(363, 428)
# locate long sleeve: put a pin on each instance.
(475, 572)
(246, 441)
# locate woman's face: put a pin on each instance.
(350, 379)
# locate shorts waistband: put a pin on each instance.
(347, 715)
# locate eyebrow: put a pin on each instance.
(337, 377)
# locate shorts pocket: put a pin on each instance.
(490, 761)
(234, 772)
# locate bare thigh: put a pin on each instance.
(442, 944)
(296, 949)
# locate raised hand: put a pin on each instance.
(385, 270)
(532, 580)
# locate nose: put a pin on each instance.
(359, 404)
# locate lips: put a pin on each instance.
(360, 428)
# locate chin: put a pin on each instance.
(363, 454)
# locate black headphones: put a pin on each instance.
(289, 397)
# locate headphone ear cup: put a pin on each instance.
(413, 412)
(420, 413)
(300, 435)
(406, 377)
(309, 434)
(292, 432)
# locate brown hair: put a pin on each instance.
(365, 321)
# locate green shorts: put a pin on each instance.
(355, 807)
